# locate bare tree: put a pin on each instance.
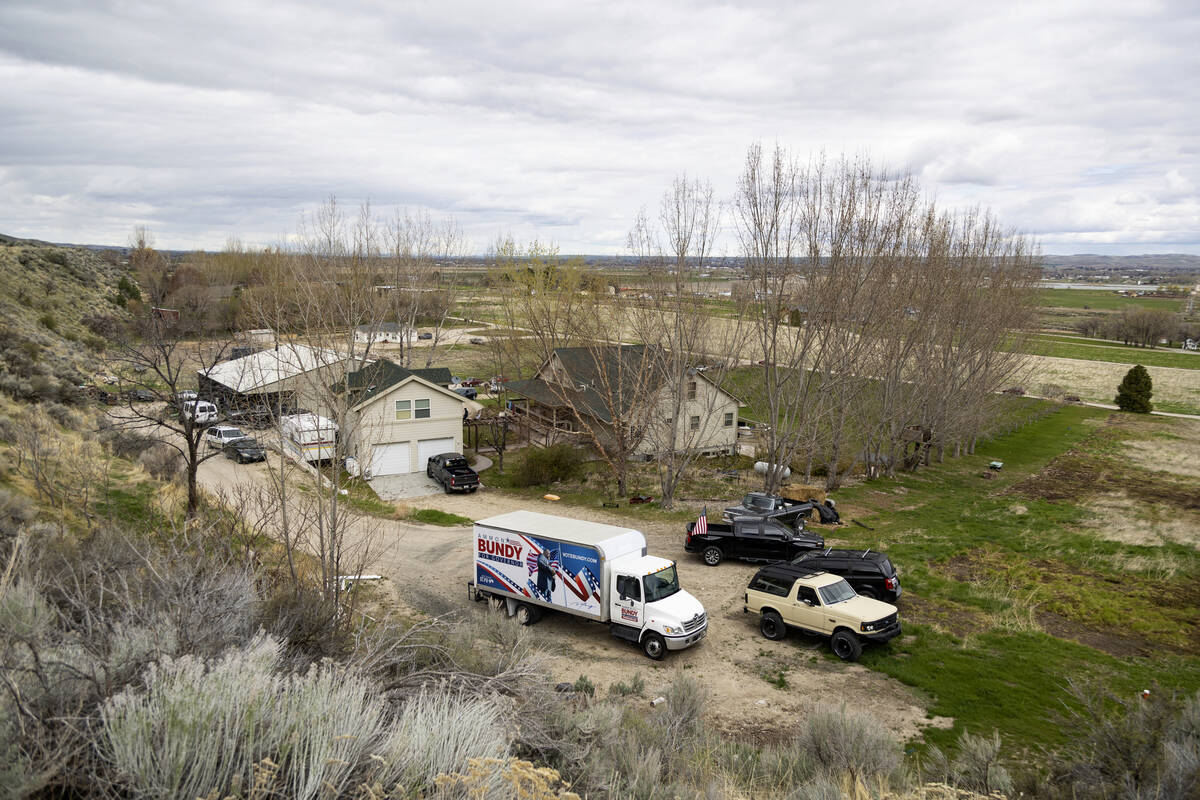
(780, 239)
(687, 410)
(419, 288)
(315, 299)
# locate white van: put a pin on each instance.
(201, 412)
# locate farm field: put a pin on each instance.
(1095, 299)
(1175, 390)
(1116, 352)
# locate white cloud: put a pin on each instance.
(560, 120)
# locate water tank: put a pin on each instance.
(761, 468)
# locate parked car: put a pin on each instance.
(871, 574)
(140, 396)
(186, 396)
(750, 539)
(795, 596)
(424, 335)
(201, 412)
(762, 504)
(453, 472)
(244, 451)
(218, 436)
(471, 382)
(476, 340)
(468, 392)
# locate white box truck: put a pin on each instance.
(527, 562)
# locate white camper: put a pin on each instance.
(527, 562)
(310, 437)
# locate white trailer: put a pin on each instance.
(310, 437)
(527, 562)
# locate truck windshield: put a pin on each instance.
(663, 583)
(836, 593)
(765, 503)
(456, 463)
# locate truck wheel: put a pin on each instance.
(712, 556)
(654, 646)
(527, 614)
(447, 489)
(771, 626)
(846, 645)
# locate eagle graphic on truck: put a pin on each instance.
(527, 563)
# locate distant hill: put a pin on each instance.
(55, 312)
(1153, 261)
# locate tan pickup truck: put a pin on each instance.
(792, 595)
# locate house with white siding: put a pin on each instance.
(398, 418)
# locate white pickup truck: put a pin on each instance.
(527, 562)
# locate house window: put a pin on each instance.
(404, 409)
(422, 409)
(728, 419)
(695, 423)
(691, 390)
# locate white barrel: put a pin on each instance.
(761, 468)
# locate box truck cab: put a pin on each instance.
(527, 563)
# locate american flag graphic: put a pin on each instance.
(701, 526)
(531, 560)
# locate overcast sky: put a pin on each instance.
(1078, 123)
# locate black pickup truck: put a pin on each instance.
(772, 506)
(750, 539)
(453, 472)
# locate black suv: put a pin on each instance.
(870, 573)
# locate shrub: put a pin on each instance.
(1135, 390)
(161, 460)
(197, 729)
(975, 767)
(544, 466)
(47, 320)
(583, 685)
(437, 733)
(636, 686)
(849, 743)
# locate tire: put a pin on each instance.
(654, 646)
(771, 626)
(527, 614)
(846, 645)
(712, 556)
(869, 593)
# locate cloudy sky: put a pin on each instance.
(1077, 122)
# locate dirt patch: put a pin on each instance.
(429, 567)
(1111, 642)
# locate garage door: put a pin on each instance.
(427, 448)
(391, 459)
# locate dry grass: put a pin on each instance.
(1096, 381)
(1121, 518)
(1177, 453)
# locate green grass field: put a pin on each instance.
(1013, 592)
(1096, 299)
(1093, 350)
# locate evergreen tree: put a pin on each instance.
(1134, 392)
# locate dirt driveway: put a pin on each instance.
(429, 567)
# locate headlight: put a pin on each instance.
(672, 630)
(868, 626)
